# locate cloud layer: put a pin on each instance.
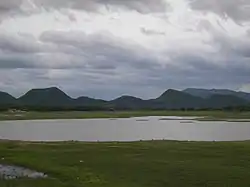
(113, 47)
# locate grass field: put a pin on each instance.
(208, 115)
(138, 164)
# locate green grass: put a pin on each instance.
(137, 164)
(209, 115)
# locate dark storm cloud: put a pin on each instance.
(238, 10)
(196, 70)
(101, 49)
(19, 44)
(9, 7)
(72, 50)
(102, 59)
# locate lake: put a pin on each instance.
(130, 129)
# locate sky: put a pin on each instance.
(108, 48)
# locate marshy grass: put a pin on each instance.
(137, 164)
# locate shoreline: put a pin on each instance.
(76, 115)
(66, 142)
(200, 119)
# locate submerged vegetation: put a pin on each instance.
(138, 164)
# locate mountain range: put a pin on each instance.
(171, 99)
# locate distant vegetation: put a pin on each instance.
(54, 99)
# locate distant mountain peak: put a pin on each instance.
(47, 89)
(128, 97)
(174, 93)
(170, 91)
(46, 96)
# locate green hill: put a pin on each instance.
(128, 102)
(51, 97)
(7, 99)
(173, 99)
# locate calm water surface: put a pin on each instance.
(132, 129)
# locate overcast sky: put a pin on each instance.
(107, 48)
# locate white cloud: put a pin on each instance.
(245, 88)
(107, 48)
